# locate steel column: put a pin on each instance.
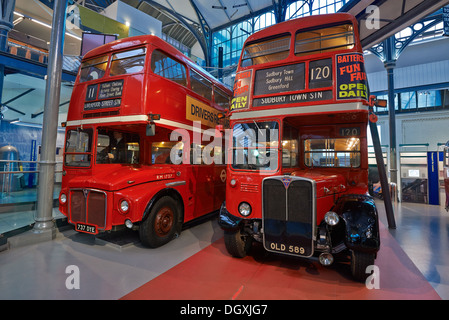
(390, 64)
(6, 19)
(382, 176)
(44, 219)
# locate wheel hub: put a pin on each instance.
(164, 221)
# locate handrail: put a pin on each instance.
(27, 171)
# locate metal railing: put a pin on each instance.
(12, 169)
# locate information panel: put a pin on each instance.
(293, 98)
(351, 77)
(111, 89)
(280, 79)
(242, 87)
(320, 73)
(104, 95)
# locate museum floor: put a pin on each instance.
(413, 263)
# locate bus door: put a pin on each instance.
(201, 184)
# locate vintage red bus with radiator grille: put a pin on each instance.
(121, 167)
(297, 178)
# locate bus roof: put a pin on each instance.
(302, 23)
(135, 41)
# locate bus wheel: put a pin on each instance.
(238, 245)
(161, 225)
(359, 262)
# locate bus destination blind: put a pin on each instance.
(292, 78)
(104, 95)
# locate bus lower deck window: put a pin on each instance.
(341, 152)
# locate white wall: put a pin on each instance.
(140, 22)
(421, 127)
(421, 64)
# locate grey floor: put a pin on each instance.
(40, 271)
(43, 270)
(423, 233)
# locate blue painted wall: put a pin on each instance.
(21, 137)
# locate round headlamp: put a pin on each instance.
(244, 209)
(63, 198)
(124, 206)
(331, 218)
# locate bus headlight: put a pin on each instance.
(124, 206)
(244, 209)
(129, 224)
(63, 198)
(331, 218)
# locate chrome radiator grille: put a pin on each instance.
(88, 206)
(288, 214)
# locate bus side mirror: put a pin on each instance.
(151, 130)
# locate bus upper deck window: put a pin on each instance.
(130, 61)
(324, 40)
(266, 51)
(166, 67)
(93, 69)
(221, 98)
(201, 85)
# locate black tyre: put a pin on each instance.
(359, 262)
(237, 244)
(162, 224)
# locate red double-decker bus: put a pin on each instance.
(121, 167)
(298, 174)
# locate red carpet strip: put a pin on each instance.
(212, 274)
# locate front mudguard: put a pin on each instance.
(227, 221)
(361, 222)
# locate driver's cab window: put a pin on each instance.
(116, 146)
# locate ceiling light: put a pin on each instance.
(41, 23)
(46, 25)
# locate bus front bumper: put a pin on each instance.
(226, 220)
